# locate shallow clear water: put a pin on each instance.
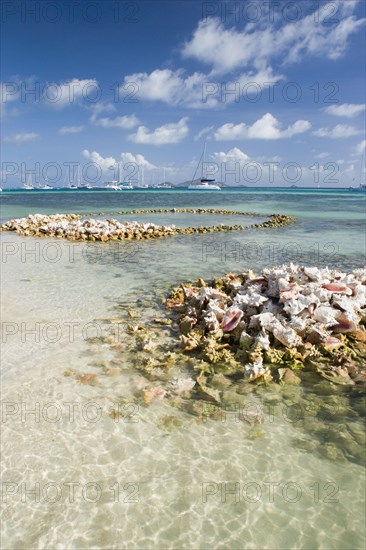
(296, 480)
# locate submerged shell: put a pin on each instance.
(153, 394)
(183, 385)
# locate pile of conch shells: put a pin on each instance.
(73, 228)
(287, 320)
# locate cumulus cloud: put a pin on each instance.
(105, 163)
(70, 130)
(339, 131)
(137, 159)
(228, 49)
(22, 137)
(168, 133)
(267, 127)
(172, 87)
(360, 147)
(101, 107)
(125, 122)
(234, 155)
(203, 132)
(197, 90)
(108, 163)
(348, 110)
(9, 91)
(70, 92)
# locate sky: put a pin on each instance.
(133, 90)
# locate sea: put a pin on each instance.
(283, 468)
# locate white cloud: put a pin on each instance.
(101, 107)
(339, 131)
(105, 163)
(172, 87)
(168, 133)
(267, 127)
(348, 110)
(70, 92)
(203, 132)
(228, 49)
(70, 130)
(22, 137)
(322, 155)
(197, 91)
(11, 91)
(361, 147)
(234, 155)
(108, 163)
(126, 122)
(137, 159)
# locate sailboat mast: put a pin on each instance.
(361, 169)
(203, 160)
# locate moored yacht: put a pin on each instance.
(45, 187)
(164, 185)
(203, 184)
(114, 185)
(84, 187)
(125, 186)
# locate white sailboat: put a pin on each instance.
(45, 186)
(82, 186)
(114, 185)
(204, 184)
(125, 186)
(28, 186)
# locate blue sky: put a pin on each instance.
(144, 84)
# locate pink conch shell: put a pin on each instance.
(231, 319)
(332, 342)
(151, 394)
(334, 287)
(344, 326)
(259, 280)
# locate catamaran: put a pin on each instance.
(204, 184)
(44, 187)
(28, 186)
(84, 187)
(125, 186)
(114, 185)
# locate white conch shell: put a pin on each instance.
(287, 336)
(326, 315)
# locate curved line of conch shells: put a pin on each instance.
(73, 227)
(289, 307)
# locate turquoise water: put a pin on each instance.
(202, 484)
